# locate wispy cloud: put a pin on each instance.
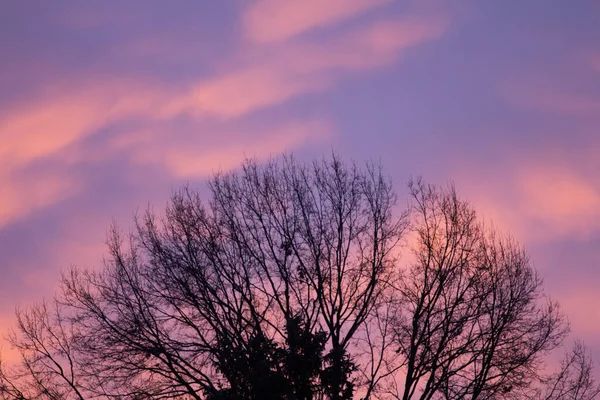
(266, 72)
(561, 198)
(540, 200)
(581, 305)
(19, 198)
(69, 113)
(49, 128)
(273, 21)
(276, 76)
(190, 157)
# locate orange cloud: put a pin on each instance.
(271, 21)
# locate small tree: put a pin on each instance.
(45, 341)
(574, 380)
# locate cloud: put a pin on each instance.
(290, 71)
(581, 306)
(273, 21)
(72, 111)
(52, 130)
(48, 129)
(240, 92)
(539, 200)
(560, 199)
(43, 129)
(562, 103)
(8, 355)
(193, 158)
(66, 114)
(18, 198)
(376, 45)
(191, 163)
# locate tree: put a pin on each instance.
(475, 322)
(574, 380)
(288, 284)
(48, 368)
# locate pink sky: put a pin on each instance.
(107, 106)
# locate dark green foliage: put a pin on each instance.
(263, 369)
(253, 370)
(336, 376)
(304, 358)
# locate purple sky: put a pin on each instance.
(107, 106)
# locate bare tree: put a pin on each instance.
(475, 322)
(48, 369)
(264, 288)
(287, 284)
(574, 379)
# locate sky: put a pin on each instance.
(107, 107)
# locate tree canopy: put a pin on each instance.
(301, 281)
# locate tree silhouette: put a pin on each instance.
(475, 323)
(287, 284)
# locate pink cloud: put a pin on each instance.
(187, 163)
(195, 160)
(240, 92)
(79, 241)
(376, 45)
(290, 71)
(581, 306)
(49, 128)
(69, 113)
(538, 201)
(53, 126)
(73, 112)
(18, 198)
(43, 129)
(561, 198)
(271, 21)
(7, 354)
